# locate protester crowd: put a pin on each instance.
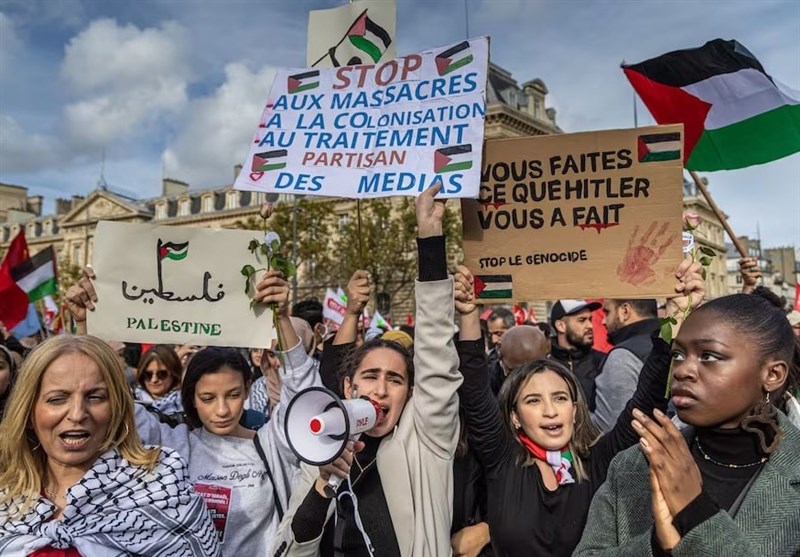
(493, 437)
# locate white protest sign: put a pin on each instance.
(356, 33)
(176, 285)
(368, 131)
(333, 308)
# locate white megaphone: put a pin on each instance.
(319, 424)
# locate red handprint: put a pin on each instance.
(636, 267)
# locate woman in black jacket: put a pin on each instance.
(542, 457)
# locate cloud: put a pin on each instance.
(23, 151)
(218, 129)
(9, 41)
(126, 79)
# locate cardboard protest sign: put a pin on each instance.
(353, 34)
(580, 215)
(395, 128)
(176, 285)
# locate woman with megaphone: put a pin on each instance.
(395, 498)
(244, 476)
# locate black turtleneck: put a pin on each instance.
(372, 508)
(711, 449)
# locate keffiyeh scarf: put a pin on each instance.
(117, 510)
(559, 461)
(170, 403)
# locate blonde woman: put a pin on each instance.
(74, 475)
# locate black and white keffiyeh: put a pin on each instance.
(117, 510)
(170, 403)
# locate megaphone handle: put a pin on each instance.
(333, 484)
(335, 481)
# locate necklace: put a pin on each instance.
(712, 461)
(362, 469)
(52, 495)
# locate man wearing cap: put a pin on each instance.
(572, 345)
(630, 324)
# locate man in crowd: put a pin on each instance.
(572, 345)
(521, 344)
(501, 320)
(630, 324)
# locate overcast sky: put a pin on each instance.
(177, 86)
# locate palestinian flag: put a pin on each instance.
(659, 147)
(170, 250)
(269, 160)
(37, 276)
(453, 58)
(492, 287)
(369, 37)
(301, 82)
(734, 114)
(452, 159)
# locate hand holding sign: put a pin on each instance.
(430, 212)
(273, 289)
(80, 297)
(359, 290)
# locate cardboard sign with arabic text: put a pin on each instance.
(583, 215)
(176, 285)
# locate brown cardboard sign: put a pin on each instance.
(594, 214)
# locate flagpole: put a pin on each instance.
(635, 115)
(158, 262)
(42, 328)
(717, 211)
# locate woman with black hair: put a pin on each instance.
(245, 476)
(543, 457)
(729, 484)
(397, 490)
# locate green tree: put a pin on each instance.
(385, 245)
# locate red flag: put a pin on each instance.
(520, 315)
(797, 298)
(600, 333)
(410, 320)
(13, 299)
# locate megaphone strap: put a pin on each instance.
(351, 494)
(260, 451)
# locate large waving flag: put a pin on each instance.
(734, 114)
(13, 300)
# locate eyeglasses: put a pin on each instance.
(161, 374)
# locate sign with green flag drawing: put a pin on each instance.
(175, 285)
(357, 33)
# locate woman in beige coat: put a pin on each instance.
(402, 470)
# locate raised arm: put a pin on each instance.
(359, 289)
(491, 444)
(81, 297)
(435, 402)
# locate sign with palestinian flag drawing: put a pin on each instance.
(733, 112)
(357, 33)
(383, 128)
(175, 285)
(583, 215)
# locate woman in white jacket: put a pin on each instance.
(404, 484)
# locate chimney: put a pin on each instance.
(237, 168)
(35, 205)
(173, 187)
(63, 206)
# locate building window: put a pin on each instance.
(208, 204)
(161, 210)
(537, 108)
(344, 220)
(230, 200)
(76, 254)
(183, 208)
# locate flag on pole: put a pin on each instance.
(733, 112)
(171, 250)
(378, 322)
(37, 276)
(13, 299)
